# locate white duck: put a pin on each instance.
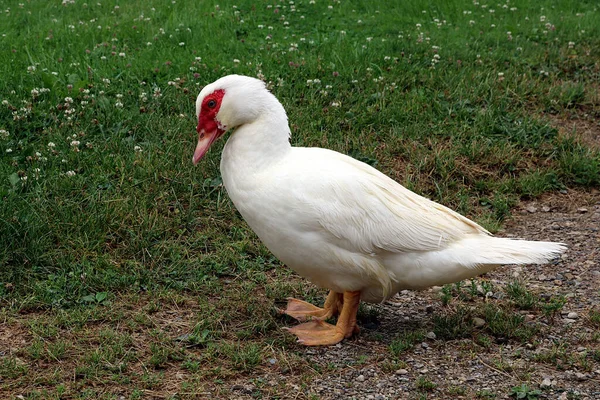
(335, 220)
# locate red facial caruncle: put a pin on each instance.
(208, 127)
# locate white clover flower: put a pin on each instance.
(182, 44)
(118, 104)
(70, 173)
(236, 61)
(68, 100)
(24, 178)
(51, 145)
(75, 143)
(4, 133)
(137, 149)
(121, 54)
(9, 150)
(335, 104)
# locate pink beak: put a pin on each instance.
(205, 140)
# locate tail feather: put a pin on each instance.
(466, 259)
(494, 250)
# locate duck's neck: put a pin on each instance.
(254, 146)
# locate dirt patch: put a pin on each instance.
(584, 127)
(582, 120)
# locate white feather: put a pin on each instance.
(339, 222)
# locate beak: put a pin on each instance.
(205, 140)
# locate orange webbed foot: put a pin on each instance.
(319, 333)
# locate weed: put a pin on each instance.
(506, 324)
(405, 341)
(244, 358)
(524, 392)
(519, 294)
(594, 318)
(453, 325)
(12, 367)
(552, 306)
(485, 394)
(423, 383)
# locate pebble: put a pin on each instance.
(568, 321)
(580, 376)
(430, 335)
(572, 315)
(531, 209)
(529, 317)
(360, 378)
(402, 372)
(546, 383)
(478, 322)
(582, 210)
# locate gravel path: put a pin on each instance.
(362, 368)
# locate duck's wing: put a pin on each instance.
(368, 212)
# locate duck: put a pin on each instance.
(336, 221)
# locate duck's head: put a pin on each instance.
(225, 104)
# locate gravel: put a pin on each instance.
(364, 368)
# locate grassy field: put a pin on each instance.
(126, 271)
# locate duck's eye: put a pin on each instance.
(211, 104)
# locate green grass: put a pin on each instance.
(105, 225)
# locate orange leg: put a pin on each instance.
(319, 333)
(303, 311)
